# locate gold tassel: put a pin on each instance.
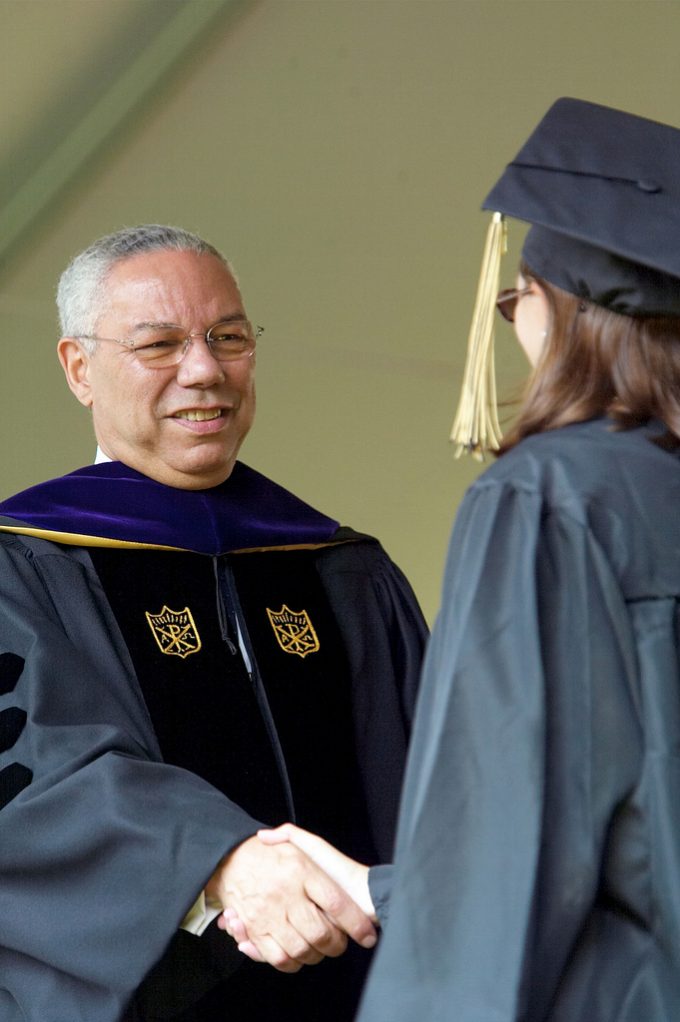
(476, 428)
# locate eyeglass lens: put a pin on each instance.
(228, 341)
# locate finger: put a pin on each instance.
(288, 943)
(225, 918)
(320, 932)
(273, 953)
(298, 946)
(234, 926)
(231, 924)
(247, 948)
(275, 835)
(311, 844)
(340, 909)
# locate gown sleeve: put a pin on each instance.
(525, 740)
(103, 848)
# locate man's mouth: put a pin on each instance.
(199, 414)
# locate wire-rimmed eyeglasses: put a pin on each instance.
(159, 347)
(506, 302)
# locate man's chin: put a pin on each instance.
(191, 479)
(182, 476)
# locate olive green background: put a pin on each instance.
(338, 152)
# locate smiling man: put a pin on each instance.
(187, 651)
(179, 313)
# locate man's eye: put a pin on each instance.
(229, 338)
(162, 344)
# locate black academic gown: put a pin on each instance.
(137, 748)
(537, 875)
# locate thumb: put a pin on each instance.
(277, 835)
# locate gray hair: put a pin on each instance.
(81, 285)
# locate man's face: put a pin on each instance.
(146, 417)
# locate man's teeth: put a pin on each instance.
(199, 415)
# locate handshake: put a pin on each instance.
(291, 899)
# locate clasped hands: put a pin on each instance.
(291, 899)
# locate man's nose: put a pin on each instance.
(199, 367)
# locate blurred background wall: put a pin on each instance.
(338, 152)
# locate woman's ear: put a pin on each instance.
(75, 362)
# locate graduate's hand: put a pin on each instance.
(351, 875)
(293, 913)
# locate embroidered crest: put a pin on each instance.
(294, 631)
(175, 632)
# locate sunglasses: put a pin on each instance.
(507, 301)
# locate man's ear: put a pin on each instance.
(76, 365)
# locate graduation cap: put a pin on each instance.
(601, 189)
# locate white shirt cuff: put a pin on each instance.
(200, 915)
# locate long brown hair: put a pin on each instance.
(596, 362)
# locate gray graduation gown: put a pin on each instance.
(537, 873)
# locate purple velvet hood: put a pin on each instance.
(113, 502)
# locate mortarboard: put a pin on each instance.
(601, 190)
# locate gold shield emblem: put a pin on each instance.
(294, 631)
(175, 632)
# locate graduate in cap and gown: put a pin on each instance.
(537, 871)
(188, 651)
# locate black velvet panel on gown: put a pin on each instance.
(177, 614)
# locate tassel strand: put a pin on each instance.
(476, 428)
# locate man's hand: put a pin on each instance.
(293, 912)
(351, 875)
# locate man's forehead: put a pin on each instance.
(160, 285)
(162, 264)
